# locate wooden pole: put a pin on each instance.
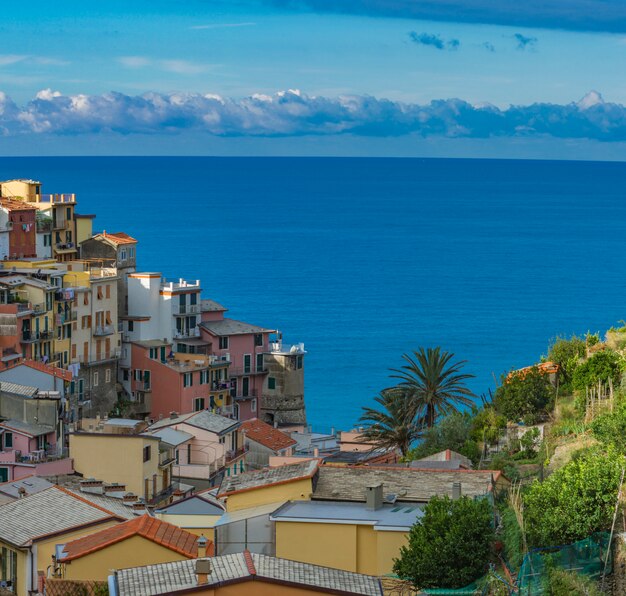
(608, 552)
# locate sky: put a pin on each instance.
(542, 78)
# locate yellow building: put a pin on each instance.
(252, 489)
(30, 529)
(360, 537)
(59, 208)
(141, 541)
(84, 227)
(197, 514)
(141, 463)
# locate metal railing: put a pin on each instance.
(249, 370)
(186, 309)
(104, 330)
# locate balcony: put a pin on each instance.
(187, 309)
(166, 457)
(232, 455)
(58, 198)
(102, 330)
(251, 393)
(187, 333)
(29, 337)
(67, 246)
(39, 309)
(228, 411)
(58, 223)
(44, 226)
(99, 358)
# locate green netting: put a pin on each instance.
(586, 557)
(470, 590)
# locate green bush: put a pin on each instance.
(487, 425)
(610, 428)
(452, 432)
(602, 366)
(450, 547)
(525, 397)
(574, 502)
(567, 353)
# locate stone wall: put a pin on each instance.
(285, 403)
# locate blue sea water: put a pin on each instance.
(365, 259)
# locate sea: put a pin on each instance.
(366, 259)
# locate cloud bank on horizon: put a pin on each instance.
(292, 113)
(575, 15)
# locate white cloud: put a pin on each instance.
(184, 67)
(294, 113)
(134, 61)
(7, 59)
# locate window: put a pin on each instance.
(187, 379)
(253, 405)
(107, 289)
(224, 343)
(204, 377)
(123, 254)
(131, 326)
(68, 213)
(222, 440)
(125, 374)
(107, 375)
(41, 442)
(154, 353)
(95, 379)
(245, 386)
(271, 383)
(86, 299)
(193, 298)
(99, 293)
(247, 358)
(131, 252)
(258, 339)
(299, 361)
(146, 453)
(198, 404)
(259, 362)
(8, 440)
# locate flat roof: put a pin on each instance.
(389, 517)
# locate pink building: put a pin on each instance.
(162, 382)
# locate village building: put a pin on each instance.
(263, 441)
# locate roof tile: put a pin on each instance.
(266, 435)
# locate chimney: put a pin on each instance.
(374, 496)
(173, 415)
(316, 452)
(456, 491)
(21, 491)
(203, 570)
(202, 542)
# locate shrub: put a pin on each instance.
(452, 432)
(451, 545)
(610, 428)
(602, 366)
(487, 425)
(527, 396)
(512, 539)
(567, 353)
(575, 501)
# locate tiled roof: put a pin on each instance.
(150, 528)
(31, 430)
(266, 435)
(31, 484)
(113, 504)
(13, 204)
(55, 371)
(51, 511)
(269, 477)
(17, 389)
(118, 238)
(197, 504)
(204, 419)
(208, 305)
(169, 578)
(344, 483)
(231, 327)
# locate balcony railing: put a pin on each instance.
(65, 245)
(58, 198)
(39, 309)
(240, 395)
(101, 357)
(58, 223)
(187, 333)
(101, 330)
(232, 455)
(186, 309)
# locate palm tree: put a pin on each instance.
(396, 425)
(434, 383)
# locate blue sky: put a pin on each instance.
(205, 75)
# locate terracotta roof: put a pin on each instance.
(150, 528)
(266, 435)
(546, 368)
(119, 238)
(12, 204)
(60, 373)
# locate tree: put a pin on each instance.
(574, 502)
(524, 396)
(450, 546)
(452, 432)
(434, 383)
(567, 353)
(602, 366)
(396, 425)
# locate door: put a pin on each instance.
(247, 362)
(4, 474)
